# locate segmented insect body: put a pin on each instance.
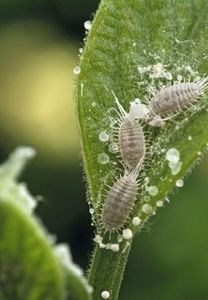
(119, 201)
(176, 98)
(131, 142)
(131, 138)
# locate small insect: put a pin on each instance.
(172, 100)
(131, 139)
(120, 200)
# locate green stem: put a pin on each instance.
(106, 271)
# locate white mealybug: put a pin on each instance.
(172, 100)
(131, 139)
(120, 200)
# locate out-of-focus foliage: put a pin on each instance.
(31, 265)
(36, 88)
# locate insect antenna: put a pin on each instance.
(120, 107)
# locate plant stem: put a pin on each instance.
(106, 271)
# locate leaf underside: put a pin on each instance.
(127, 37)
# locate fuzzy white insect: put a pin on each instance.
(120, 200)
(131, 139)
(172, 100)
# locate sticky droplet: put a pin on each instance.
(87, 25)
(76, 70)
(113, 148)
(114, 247)
(103, 158)
(120, 238)
(147, 209)
(91, 210)
(173, 155)
(159, 203)
(153, 190)
(147, 198)
(105, 294)
(98, 239)
(136, 221)
(175, 167)
(147, 180)
(127, 234)
(179, 183)
(103, 136)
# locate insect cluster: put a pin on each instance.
(164, 105)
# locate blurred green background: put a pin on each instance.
(39, 43)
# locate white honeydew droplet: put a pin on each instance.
(114, 247)
(103, 158)
(189, 138)
(98, 239)
(159, 203)
(173, 155)
(136, 221)
(147, 180)
(175, 167)
(153, 190)
(127, 234)
(105, 294)
(179, 183)
(147, 198)
(87, 25)
(103, 136)
(91, 211)
(120, 238)
(147, 209)
(107, 246)
(113, 148)
(76, 70)
(101, 245)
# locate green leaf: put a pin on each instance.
(28, 268)
(76, 285)
(31, 266)
(133, 48)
